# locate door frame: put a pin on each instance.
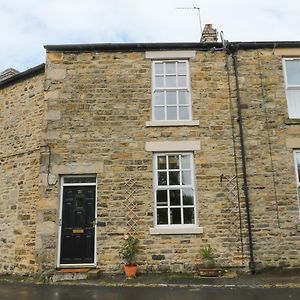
(62, 185)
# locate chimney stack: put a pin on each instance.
(209, 34)
(8, 73)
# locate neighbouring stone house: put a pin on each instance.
(181, 144)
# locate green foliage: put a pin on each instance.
(129, 249)
(207, 253)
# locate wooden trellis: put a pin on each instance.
(234, 211)
(131, 205)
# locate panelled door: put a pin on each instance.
(77, 232)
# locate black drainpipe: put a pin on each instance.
(245, 183)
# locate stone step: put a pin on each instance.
(75, 274)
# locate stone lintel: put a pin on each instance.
(286, 52)
(293, 142)
(172, 146)
(170, 54)
(78, 168)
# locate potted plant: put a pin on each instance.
(128, 253)
(207, 255)
(207, 267)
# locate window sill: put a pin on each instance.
(172, 123)
(176, 230)
(292, 121)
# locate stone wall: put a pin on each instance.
(93, 121)
(270, 163)
(21, 111)
(98, 105)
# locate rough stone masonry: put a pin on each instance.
(87, 114)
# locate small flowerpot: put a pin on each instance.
(130, 270)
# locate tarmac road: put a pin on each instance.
(22, 291)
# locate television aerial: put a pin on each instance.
(199, 15)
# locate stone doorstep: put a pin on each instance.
(83, 270)
(75, 274)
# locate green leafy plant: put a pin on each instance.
(207, 253)
(129, 249)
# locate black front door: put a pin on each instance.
(78, 225)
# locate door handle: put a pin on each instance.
(94, 223)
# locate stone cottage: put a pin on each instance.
(180, 144)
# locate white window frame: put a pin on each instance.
(175, 228)
(291, 113)
(175, 88)
(297, 152)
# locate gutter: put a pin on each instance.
(232, 46)
(131, 47)
(244, 164)
(23, 75)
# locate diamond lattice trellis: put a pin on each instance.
(131, 205)
(230, 186)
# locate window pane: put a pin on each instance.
(175, 216)
(174, 197)
(173, 161)
(161, 162)
(159, 113)
(170, 68)
(174, 178)
(184, 113)
(188, 197)
(159, 98)
(162, 216)
(159, 81)
(171, 97)
(182, 97)
(293, 71)
(79, 179)
(162, 178)
(186, 178)
(171, 81)
(171, 113)
(182, 81)
(181, 68)
(159, 68)
(185, 161)
(161, 198)
(188, 216)
(293, 96)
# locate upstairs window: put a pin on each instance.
(292, 83)
(171, 95)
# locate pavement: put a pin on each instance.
(266, 279)
(28, 291)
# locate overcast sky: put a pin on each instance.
(27, 25)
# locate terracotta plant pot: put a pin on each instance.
(130, 270)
